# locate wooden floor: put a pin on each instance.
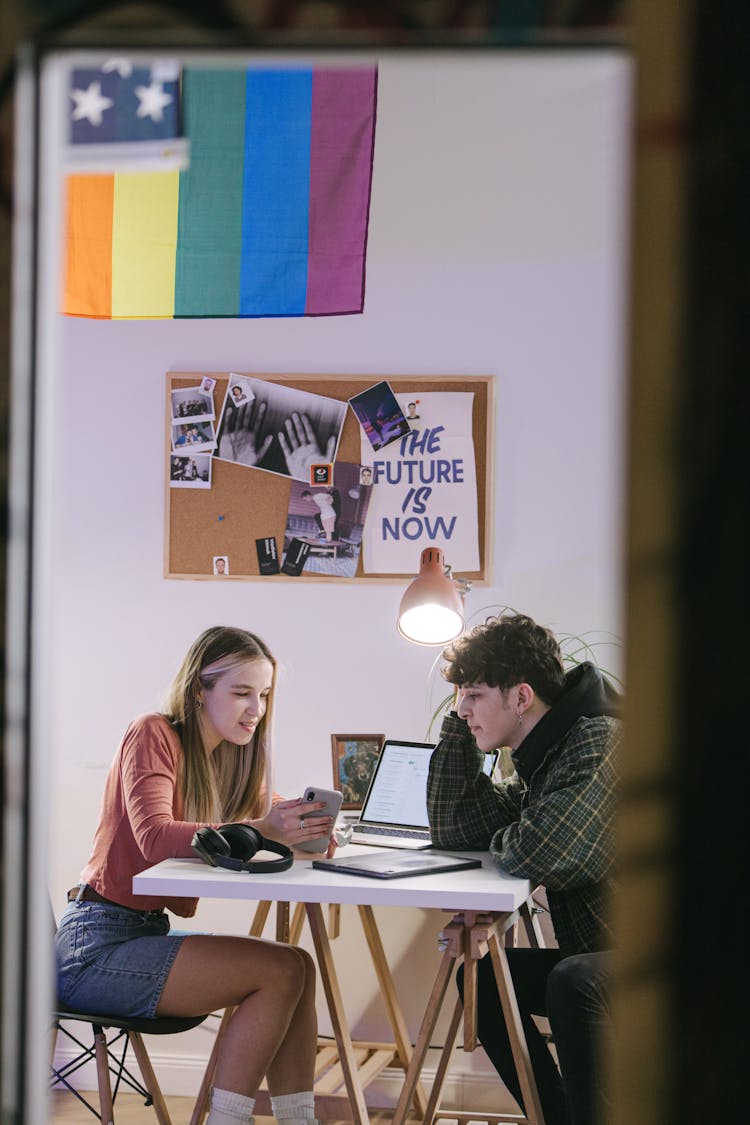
(65, 1109)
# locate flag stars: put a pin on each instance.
(90, 103)
(123, 67)
(153, 101)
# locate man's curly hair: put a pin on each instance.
(507, 650)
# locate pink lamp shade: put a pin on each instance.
(431, 610)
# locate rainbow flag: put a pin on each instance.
(270, 219)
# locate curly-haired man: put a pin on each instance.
(549, 822)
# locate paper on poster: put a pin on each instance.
(424, 489)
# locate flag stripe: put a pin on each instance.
(341, 146)
(88, 272)
(273, 274)
(207, 277)
(144, 240)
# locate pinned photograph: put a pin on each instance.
(208, 384)
(190, 471)
(380, 415)
(412, 409)
(221, 564)
(365, 475)
(193, 402)
(277, 428)
(330, 520)
(198, 436)
(239, 392)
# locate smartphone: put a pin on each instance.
(333, 801)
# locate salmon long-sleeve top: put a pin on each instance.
(141, 817)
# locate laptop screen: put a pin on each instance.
(398, 790)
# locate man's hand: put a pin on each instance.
(240, 438)
(301, 447)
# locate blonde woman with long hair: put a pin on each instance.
(203, 762)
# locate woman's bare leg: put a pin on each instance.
(274, 1028)
(295, 1059)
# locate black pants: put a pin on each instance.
(577, 1008)
(579, 1015)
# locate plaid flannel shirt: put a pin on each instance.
(557, 831)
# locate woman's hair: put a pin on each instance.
(507, 650)
(232, 782)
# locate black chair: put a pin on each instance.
(110, 1053)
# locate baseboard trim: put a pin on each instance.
(469, 1085)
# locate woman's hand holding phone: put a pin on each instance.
(331, 800)
(304, 823)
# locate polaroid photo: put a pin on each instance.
(221, 564)
(379, 415)
(239, 393)
(277, 428)
(194, 403)
(191, 470)
(195, 436)
(208, 384)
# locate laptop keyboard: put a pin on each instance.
(371, 830)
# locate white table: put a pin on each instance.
(484, 903)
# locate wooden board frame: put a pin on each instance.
(202, 523)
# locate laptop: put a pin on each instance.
(394, 813)
(384, 865)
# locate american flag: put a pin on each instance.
(125, 117)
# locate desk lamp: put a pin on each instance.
(432, 608)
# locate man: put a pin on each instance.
(550, 822)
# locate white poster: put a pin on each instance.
(424, 488)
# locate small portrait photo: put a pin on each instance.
(197, 435)
(192, 402)
(208, 384)
(221, 564)
(321, 474)
(190, 470)
(380, 415)
(365, 474)
(354, 759)
(412, 409)
(239, 392)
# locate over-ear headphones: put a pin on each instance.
(234, 845)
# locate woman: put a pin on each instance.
(203, 762)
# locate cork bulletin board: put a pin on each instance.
(245, 504)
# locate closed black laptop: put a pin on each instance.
(396, 865)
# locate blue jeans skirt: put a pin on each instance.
(113, 961)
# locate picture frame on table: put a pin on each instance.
(354, 759)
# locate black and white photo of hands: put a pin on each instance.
(280, 429)
(242, 440)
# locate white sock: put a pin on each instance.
(228, 1108)
(294, 1109)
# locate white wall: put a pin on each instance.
(496, 247)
